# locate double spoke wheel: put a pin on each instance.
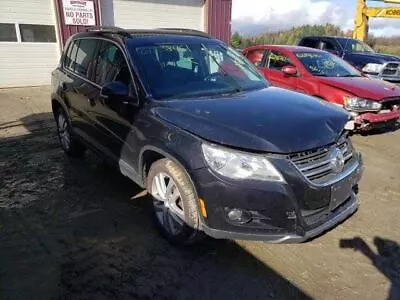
(174, 202)
(167, 202)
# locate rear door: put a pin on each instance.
(272, 70)
(77, 87)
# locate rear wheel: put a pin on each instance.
(174, 202)
(69, 143)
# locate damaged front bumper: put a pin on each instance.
(369, 120)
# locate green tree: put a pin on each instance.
(236, 40)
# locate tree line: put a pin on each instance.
(389, 45)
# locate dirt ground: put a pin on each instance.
(76, 229)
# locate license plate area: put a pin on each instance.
(341, 191)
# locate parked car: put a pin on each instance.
(193, 122)
(358, 54)
(371, 103)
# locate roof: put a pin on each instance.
(288, 48)
(100, 30)
(327, 36)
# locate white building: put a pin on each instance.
(32, 33)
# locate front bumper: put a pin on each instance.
(336, 218)
(372, 120)
(282, 213)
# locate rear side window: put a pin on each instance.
(84, 62)
(327, 45)
(69, 61)
(111, 65)
(278, 60)
(311, 43)
(256, 57)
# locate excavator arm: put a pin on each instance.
(363, 13)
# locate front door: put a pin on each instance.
(272, 70)
(113, 118)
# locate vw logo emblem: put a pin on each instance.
(336, 160)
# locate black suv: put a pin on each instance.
(192, 121)
(359, 54)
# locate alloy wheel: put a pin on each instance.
(63, 131)
(167, 202)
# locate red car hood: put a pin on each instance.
(363, 87)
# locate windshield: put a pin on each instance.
(350, 45)
(195, 70)
(326, 64)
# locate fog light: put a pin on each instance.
(239, 216)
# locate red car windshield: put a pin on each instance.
(326, 64)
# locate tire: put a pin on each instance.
(71, 146)
(175, 212)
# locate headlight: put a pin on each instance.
(359, 104)
(240, 165)
(372, 68)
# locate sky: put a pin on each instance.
(250, 17)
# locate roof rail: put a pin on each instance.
(129, 32)
(108, 29)
(188, 31)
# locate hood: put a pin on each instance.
(377, 58)
(363, 87)
(268, 120)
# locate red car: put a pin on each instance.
(372, 103)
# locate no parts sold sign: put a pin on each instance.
(79, 12)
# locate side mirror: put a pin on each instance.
(289, 70)
(115, 90)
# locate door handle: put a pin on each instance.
(63, 86)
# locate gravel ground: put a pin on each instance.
(76, 229)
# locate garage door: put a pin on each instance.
(142, 14)
(28, 48)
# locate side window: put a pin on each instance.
(327, 46)
(311, 43)
(277, 60)
(84, 62)
(111, 65)
(256, 57)
(69, 61)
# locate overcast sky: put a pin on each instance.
(251, 17)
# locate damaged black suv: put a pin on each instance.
(219, 150)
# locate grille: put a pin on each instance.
(390, 103)
(391, 69)
(316, 165)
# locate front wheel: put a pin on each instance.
(174, 202)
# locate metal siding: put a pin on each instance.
(27, 63)
(219, 19)
(159, 13)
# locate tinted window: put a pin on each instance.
(111, 65)
(85, 57)
(277, 60)
(37, 33)
(256, 57)
(311, 43)
(69, 62)
(194, 69)
(8, 33)
(327, 45)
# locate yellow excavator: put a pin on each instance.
(363, 13)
